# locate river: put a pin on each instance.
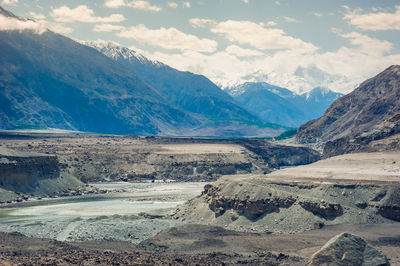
(138, 211)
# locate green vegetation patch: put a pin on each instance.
(287, 134)
(20, 126)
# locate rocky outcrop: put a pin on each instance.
(347, 249)
(23, 175)
(322, 208)
(390, 207)
(385, 138)
(369, 114)
(20, 171)
(250, 208)
(254, 207)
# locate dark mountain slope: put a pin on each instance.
(370, 113)
(52, 81)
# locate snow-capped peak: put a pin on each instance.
(116, 51)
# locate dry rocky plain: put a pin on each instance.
(259, 209)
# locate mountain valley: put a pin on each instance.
(108, 157)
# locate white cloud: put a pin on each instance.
(82, 14)
(144, 5)
(186, 4)
(107, 27)
(375, 21)
(59, 28)
(37, 16)
(245, 1)
(290, 19)
(277, 3)
(14, 24)
(241, 52)
(9, 2)
(201, 22)
(318, 15)
(260, 37)
(271, 23)
(38, 27)
(53, 26)
(340, 70)
(114, 3)
(137, 4)
(367, 44)
(168, 38)
(172, 4)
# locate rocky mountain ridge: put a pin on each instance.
(368, 119)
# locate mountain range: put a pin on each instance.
(193, 93)
(282, 106)
(198, 95)
(49, 80)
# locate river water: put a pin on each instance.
(138, 212)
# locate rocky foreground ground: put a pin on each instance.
(196, 245)
(252, 216)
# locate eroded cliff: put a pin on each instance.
(23, 174)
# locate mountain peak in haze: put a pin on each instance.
(319, 91)
(242, 88)
(280, 105)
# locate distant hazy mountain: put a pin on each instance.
(191, 92)
(279, 105)
(371, 113)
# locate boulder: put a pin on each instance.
(348, 249)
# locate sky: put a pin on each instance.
(296, 44)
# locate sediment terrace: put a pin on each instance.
(25, 174)
(131, 158)
(349, 189)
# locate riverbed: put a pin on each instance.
(128, 212)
